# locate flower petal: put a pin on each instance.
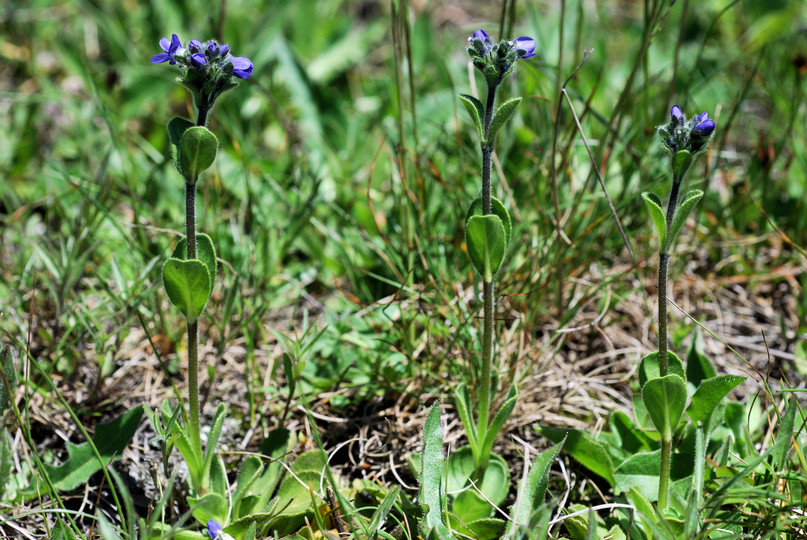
(242, 67)
(526, 44)
(213, 529)
(481, 34)
(160, 58)
(176, 45)
(224, 49)
(704, 128)
(198, 59)
(676, 115)
(165, 44)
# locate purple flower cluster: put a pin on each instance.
(680, 134)
(212, 59)
(497, 60)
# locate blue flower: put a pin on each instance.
(171, 48)
(242, 67)
(703, 126)
(525, 46)
(198, 59)
(195, 46)
(676, 116)
(215, 531)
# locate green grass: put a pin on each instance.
(336, 204)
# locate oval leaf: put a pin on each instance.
(690, 201)
(205, 252)
(177, 126)
(665, 398)
(709, 394)
(654, 207)
(187, 284)
(485, 237)
(497, 209)
(649, 367)
(502, 115)
(680, 165)
(476, 111)
(197, 151)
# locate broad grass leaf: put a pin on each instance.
(110, 440)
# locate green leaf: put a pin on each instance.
(681, 162)
(690, 201)
(502, 115)
(532, 489)
(249, 471)
(431, 476)
(784, 439)
(631, 438)
(591, 453)
(698, 365)
(110, 440)
(641, 471)
(645, 510)
(709, 394)
(7, 367)
(205, 252)
(498, 421)
(479, 529)
(209, 506)
(469, 505)
(62, 532)
(476, 111)
(197, 151)
(465, 411)
(380, 515)
(210, 450)
(177, 126)
(497, 209)
(294, 494)
(654, 207)
(649, 367)
(665, 398)
(187, 284)
(485, 237)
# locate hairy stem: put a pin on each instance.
(664, 260)
(193, 328)
(664, 473)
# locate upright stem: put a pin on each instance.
(487, 287)
(664, 260)
(664, 476)
(663, 269)
(193, 328)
